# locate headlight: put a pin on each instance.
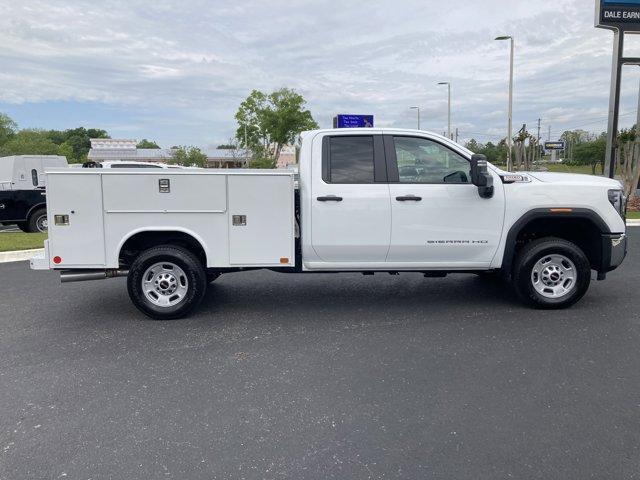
(619, 201)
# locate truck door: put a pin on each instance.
(351, 211)
(439, 219)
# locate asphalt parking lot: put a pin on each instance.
(319, 376)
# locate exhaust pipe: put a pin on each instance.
(68, 276)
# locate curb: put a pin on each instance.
(20, 255)
(633, 223)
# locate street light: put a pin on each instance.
(449, 103)
(418, 109)
(509, 136)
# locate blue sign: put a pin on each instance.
(618, 14)
(353, 121)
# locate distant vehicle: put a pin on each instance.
(22, 190)
(129, 164)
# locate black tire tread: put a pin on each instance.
(530, 253)
(32, 226)
(193, 267)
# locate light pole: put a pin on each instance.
(509, 137)
(449, 106)
(418, 109)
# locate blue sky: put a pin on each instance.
(176, 71)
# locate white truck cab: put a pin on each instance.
(367, 200)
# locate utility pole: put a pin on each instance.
(448, 84)
(538, 145)
(510, 122)
(456, 134)
(418, 109)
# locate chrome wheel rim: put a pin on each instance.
(42, 224)
(165, 284)
(554, 276)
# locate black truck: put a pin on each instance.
(25, 208)
(23, 200)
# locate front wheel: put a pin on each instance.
(551, 273)
(166, 282)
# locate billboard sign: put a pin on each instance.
(353, 121)
(618, 14)
(559, 145)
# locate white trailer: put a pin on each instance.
(365, 200)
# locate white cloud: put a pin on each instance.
(184, 66)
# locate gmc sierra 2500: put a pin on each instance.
(366, 200)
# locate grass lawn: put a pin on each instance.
(633, 215)
(561, 168)
(21, 241)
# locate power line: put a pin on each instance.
(553, 132)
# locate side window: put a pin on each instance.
(424, 161)
(350, 160)
(34, 177)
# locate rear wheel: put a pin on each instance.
(166, 282)
(551, 273)
(38, 221)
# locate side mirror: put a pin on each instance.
(480, 176)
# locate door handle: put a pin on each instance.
(409, 198)
(1, 206)
(329, 198)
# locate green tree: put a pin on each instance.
(266, 123)
(144, 143)
(590, 153)
(495, 154)
(473, 145)
(29, 142)
(80, 140)
(576, 137)
(66, 150)
(7, 128)
(188, 157)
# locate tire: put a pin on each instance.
(23, 226)
(551, 273)
(38, 221)
(212, 277)
(166, 282)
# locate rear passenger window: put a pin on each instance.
(351, 160)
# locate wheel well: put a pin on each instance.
(35, 208)
(581, 231)
(142, 241)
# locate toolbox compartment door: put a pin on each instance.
(261, 220)
(81, 242)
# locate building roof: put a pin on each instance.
(110, 149)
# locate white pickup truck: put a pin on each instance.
(365, 200)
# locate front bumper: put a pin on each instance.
(614, 250)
